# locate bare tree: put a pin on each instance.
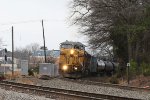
(25, 53)
(100, 20)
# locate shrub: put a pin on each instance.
(30, 72)
(114, 80)
(36, 70)
(133, 68)
(120, 71)
(145, 69)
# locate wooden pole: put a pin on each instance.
(12, 51)
(44, 41)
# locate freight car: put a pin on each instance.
(75, 62)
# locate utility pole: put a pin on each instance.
(12, 51)
(44, 41)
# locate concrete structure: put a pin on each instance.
(9, 60)
(7, 68)
(48, 69)
(24, 67)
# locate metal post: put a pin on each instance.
(12, 52)
(44, 41)
(128, 65)
(129, 56)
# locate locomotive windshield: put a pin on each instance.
(69, 46)
(72, 45)
(66, 46)
(79, 47)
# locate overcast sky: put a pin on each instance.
(26, 16)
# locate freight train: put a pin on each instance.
(75, 62)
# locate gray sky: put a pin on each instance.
(26, 16)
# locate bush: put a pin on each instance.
(30, 72)
(2, 76)
(133, 68)
(120, 71)
(36, 70)
(145, 69)
(114, 80)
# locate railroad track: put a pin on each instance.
(108, 85)
(58, 93)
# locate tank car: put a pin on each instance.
(105, 67)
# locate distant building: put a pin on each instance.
(39, 57)
(9, 60)
(9, 54)
(52, 53)
(6, 66)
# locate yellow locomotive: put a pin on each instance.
(74, 60)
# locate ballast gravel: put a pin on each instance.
(63, 84)
(11, 95)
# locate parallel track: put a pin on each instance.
(58, 93)
(108, 85)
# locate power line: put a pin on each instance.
(29, 21)
(8, 29)
(20, 22)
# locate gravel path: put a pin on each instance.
(11, 95)
(62, 84)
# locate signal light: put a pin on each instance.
(5, 57)
(5, 50)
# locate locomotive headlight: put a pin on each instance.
(75, 68)
(65, 67)
(71, 51)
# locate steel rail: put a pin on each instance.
(59, 93)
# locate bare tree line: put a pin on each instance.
(121, 24)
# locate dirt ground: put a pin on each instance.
(139, 81)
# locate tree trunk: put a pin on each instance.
(129, 47)
(137, 50)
